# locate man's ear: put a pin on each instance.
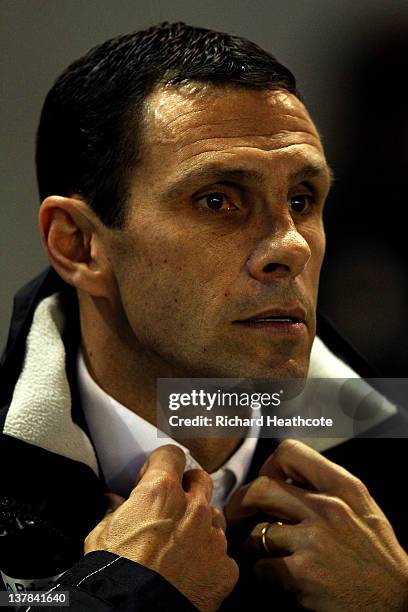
(73, 238)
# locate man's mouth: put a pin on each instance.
(278, 321)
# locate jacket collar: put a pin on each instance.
(24, 305)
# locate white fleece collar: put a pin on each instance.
(40, 410)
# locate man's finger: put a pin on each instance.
(301, 463)
(295, 460)
(278, 499)
(235, 512)
(218, 519)
(168, 459)
(273, 539)
(198, 483)
(271, 496)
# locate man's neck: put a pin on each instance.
(131, 380)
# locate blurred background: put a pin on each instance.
(351, 62)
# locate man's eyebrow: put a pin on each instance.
(219, 174)
(312, 171)
(214, 174)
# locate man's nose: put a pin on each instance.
(282, 253)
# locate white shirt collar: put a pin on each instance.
(123, 440)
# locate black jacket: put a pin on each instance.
(49, 502)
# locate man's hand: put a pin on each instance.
(337, 551)
(168, 525)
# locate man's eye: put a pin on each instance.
(215, 201)
(300, 203)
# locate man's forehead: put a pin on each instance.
(181, 114)
(189, 128)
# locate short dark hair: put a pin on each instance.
(84, 144)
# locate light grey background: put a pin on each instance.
(317, 39)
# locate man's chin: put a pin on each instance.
(291, 369)
(290, 377)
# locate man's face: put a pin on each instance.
(219, 261)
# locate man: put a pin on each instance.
(182, 184)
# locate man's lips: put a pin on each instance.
(293, 315)
(277, 320)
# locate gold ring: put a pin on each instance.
(264, 532)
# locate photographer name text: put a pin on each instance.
(258, 421)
